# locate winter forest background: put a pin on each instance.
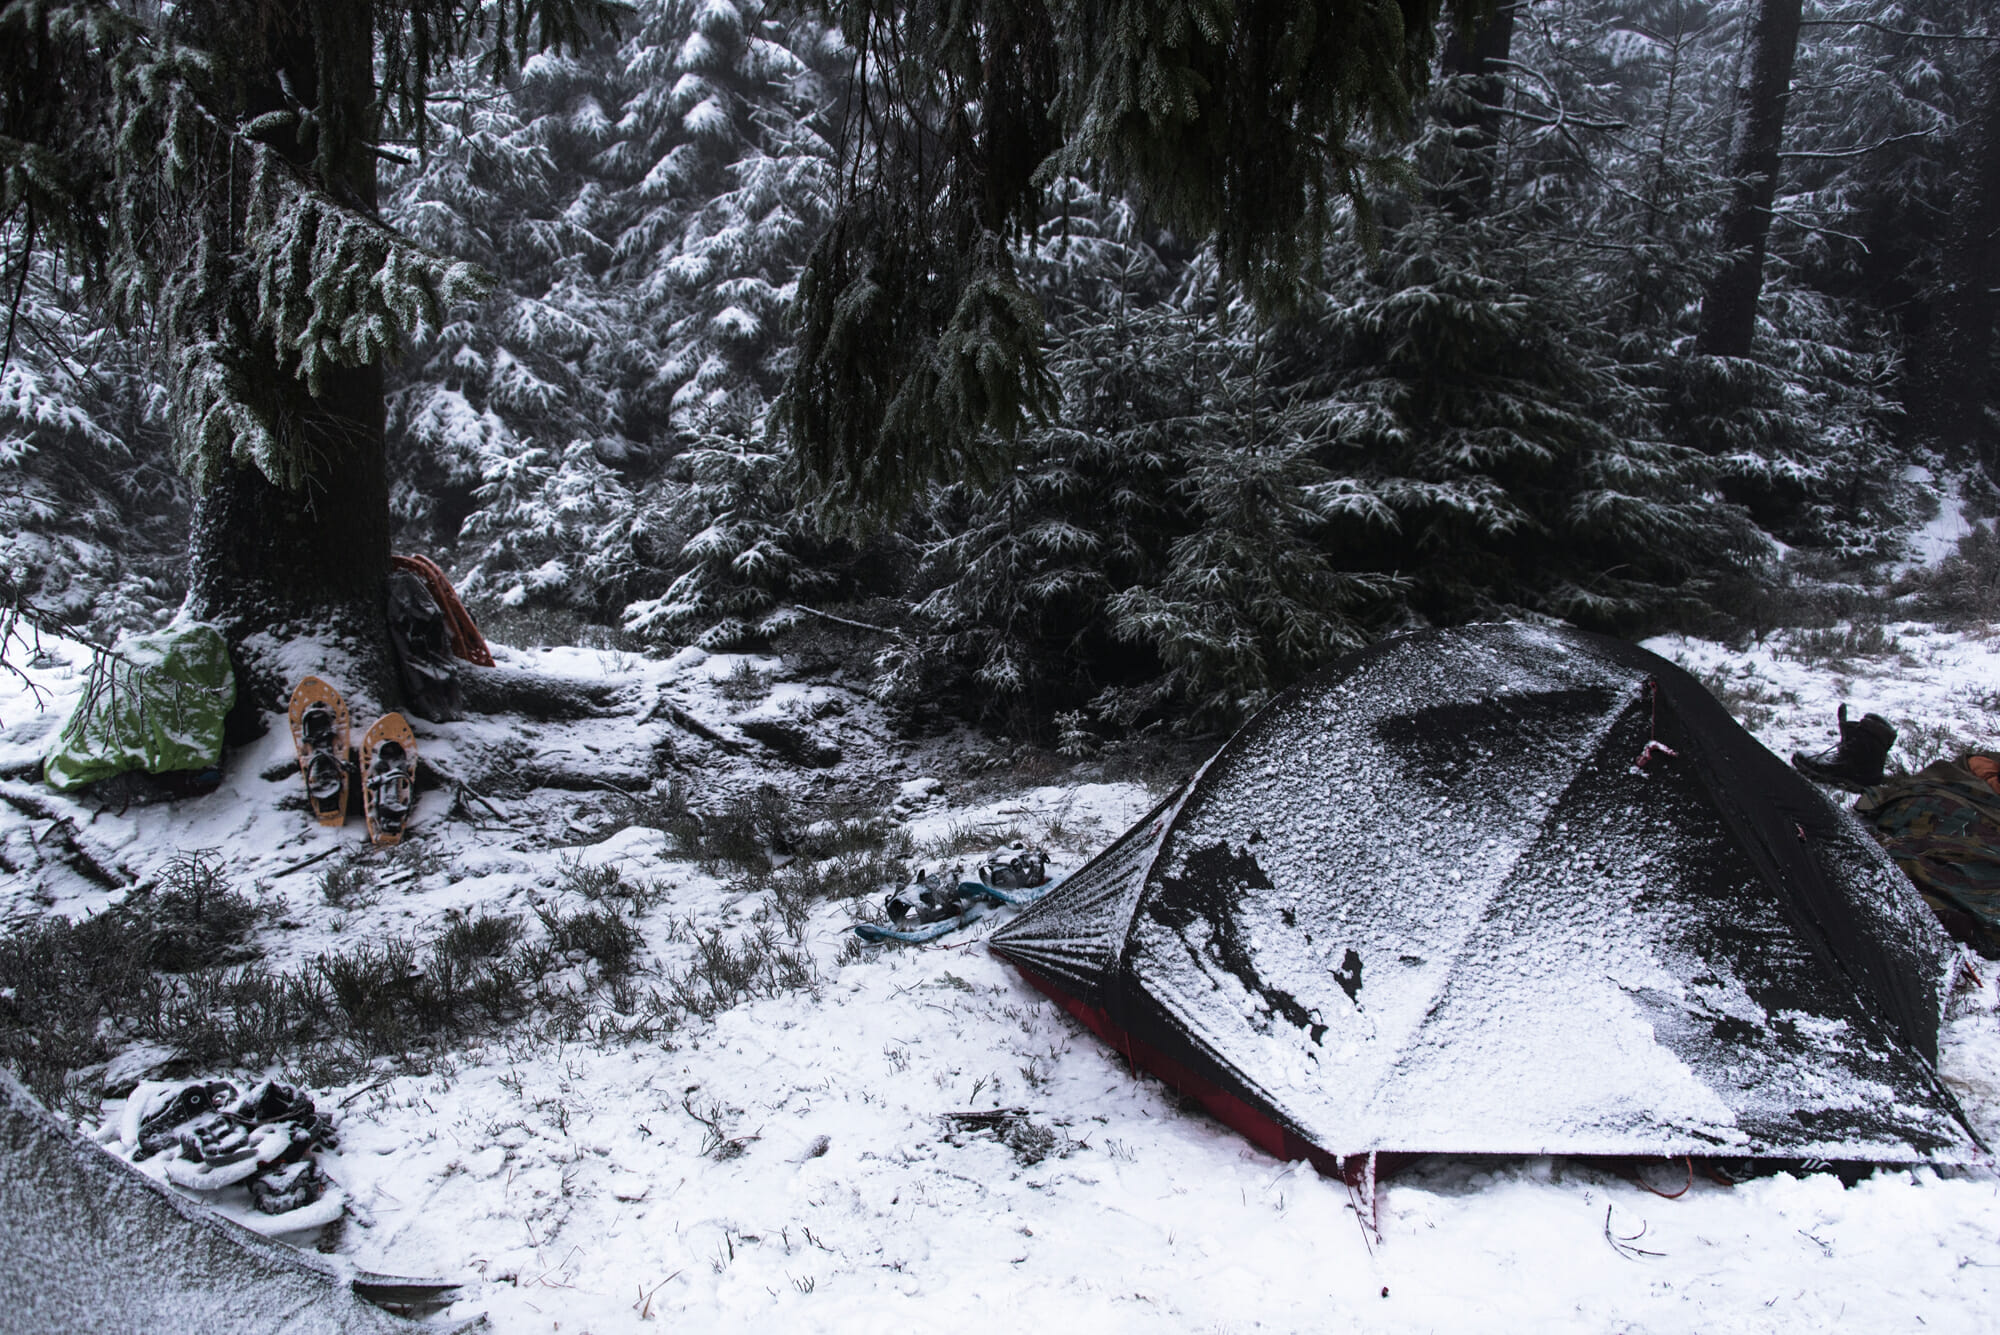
(1496, 393)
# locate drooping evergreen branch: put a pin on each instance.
(1888, 31)
(920, 356)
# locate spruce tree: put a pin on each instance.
(229, 194)
(93, 516)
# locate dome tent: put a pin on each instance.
(1510, 889)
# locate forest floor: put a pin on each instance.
(744, 1125)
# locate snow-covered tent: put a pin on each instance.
(1513, 890)
(88, 1243)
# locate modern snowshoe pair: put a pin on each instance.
(388, 762)
(941, 892)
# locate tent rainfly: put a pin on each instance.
(1509, 889)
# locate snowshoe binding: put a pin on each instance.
(1015, 867)
(388, 777)
(192, 1103)
(933, 895)
(320, 737)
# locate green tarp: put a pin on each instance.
(154, 703)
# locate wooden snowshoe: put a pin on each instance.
(320, 737)
(388, 777)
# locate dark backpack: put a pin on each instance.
(422, 642)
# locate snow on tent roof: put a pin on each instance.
(1430, 901)
(90, 1244)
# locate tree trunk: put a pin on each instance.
(1951, 371)
(310, 564)
(1475, 63)
(271, 566)
(1729, 308)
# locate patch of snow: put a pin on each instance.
(571, 1182)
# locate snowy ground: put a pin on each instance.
(575, 1188)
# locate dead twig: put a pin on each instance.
(890, 631)
(95, 866)
(644, 1307)
(1625, 1246)
(364, 1089)
(301, 866)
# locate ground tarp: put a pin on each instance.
(1513, 890)
(155, 703)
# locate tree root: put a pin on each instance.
(93, 864)
(505, 690)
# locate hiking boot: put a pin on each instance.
(1856, 763)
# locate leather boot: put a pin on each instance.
(1856, 763)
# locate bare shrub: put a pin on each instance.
(349, 887)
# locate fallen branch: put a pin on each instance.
(694, 725)
(984, 1118)
(463, 794)
(891, 632)
(301, 866)
(500, 690)
(95, 865)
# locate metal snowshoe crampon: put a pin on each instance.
(1856, 762)
(388, 777)
(263, 1141)
(320, 737)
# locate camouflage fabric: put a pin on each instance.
(1942, 825)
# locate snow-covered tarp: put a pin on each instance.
(1516, 890)
(154, 703)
